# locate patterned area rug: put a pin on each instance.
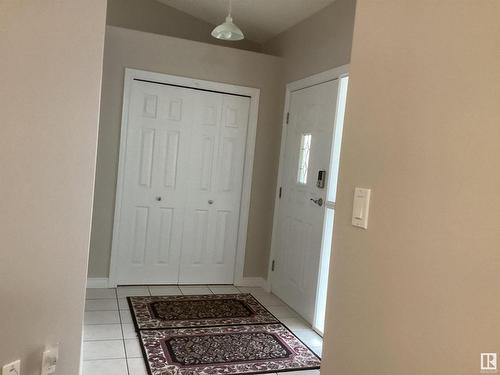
(198, 311)
(244, 349)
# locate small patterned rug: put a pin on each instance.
(198, 311)
(244, 349)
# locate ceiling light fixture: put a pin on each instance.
(228, 30)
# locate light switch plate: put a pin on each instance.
(361, 207)
(49, 361)
(13, 368)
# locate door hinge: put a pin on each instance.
(287, 117)
(279, 195)
(272, 266)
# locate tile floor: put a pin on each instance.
(110, 344)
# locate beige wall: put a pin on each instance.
(417, 293)
(321, 42)
(154, 17)
(129, 48)
(49, 99)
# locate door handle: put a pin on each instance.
(210, 202)
(318, 201)
(158, 199)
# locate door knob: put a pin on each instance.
(158, 199)
(210, 202)
(318, 201)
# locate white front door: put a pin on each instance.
(308, 147)
(184, 148)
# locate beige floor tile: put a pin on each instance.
(102, 332)
(101, 305)
(100, 293)
(309, 337)
(137, 366)
(129, 331)
(101, 317)
(224, 290)
(253, 290)
(123, 304)
(105, 367)
(110, 349)
(126, 316)
(130, 291)
(193, 290)
(269, 300)
(282, 312)
(295, 323)
(133, 348)
(164, 290)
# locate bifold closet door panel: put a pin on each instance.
(154, 187)
(214, 192)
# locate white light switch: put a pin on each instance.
(13, 368)
(361, 207)
(49, 361)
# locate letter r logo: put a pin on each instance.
(488, 361)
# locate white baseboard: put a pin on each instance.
(253, 281)
(102, 282)
(97, 282)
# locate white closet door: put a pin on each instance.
(154, 186)
(215, 183)
(182, 185)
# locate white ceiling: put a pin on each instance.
(260, 20)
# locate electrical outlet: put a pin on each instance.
(13, 368)
(49, 361)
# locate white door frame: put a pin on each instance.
(313, 80)
(252, 93)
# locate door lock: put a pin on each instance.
(318, 201)
(158, 199)
(320, 183)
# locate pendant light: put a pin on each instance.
(228, 30)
